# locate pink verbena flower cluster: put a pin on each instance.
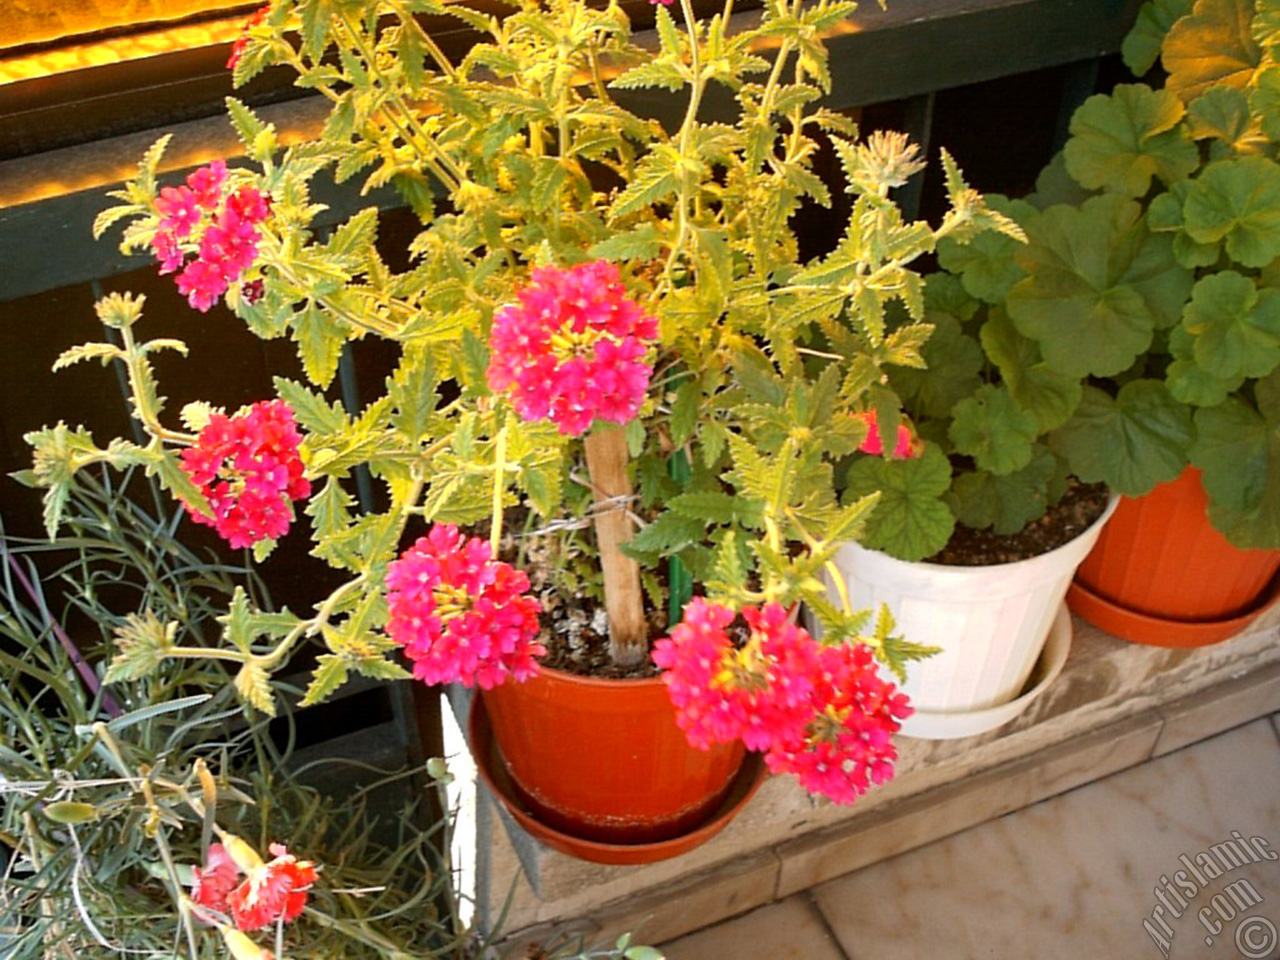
(221, 231)
(248, 468)
(573, 348)
(462, 616)
(823, 714)
(271, 891)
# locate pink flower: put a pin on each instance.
(906, 447)
(271, 891)
(248, 203)
(202, 282)
(823, 714)
(461, 615)
(249, 470)
(166, 250)
(572, 348)
(206, 184)
(178, 209)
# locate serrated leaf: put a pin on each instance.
(1121, 140)
(1237, 202)
(656, 179)
(1132, 442)
(355, 237)
(953, 361)
(662, 73)
(639, 243)
(103, 221)
(87, 351)
(253, 684)
(313, 412)
(247, 125)
(330, 509)
(666, 535)
(142, 643)
(986, 263)
(910, 521)
(991, 428)
(329, 675)
(320, 340)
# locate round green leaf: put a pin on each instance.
(1141, 48)
(1212, 47)
(991, 428)
(1131, 442)
(1005, 503)
(1188, 381)
(1237, 202)
(1120, 141)
(1098, 284)
(1264, 101)
(1238, 449)
(911, 521)
(1049, 394)
(985, 263)
(1223, 114)
(1236, 327)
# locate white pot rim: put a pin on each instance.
(963, 570)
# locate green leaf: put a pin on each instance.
(1132, 442)
(1039, 388)
(1098, 285)
(1264, 102)
(353, 240)
(412, 390)
(1238, 449)
(953, 361)
(668, 534)
(248, 127)
(642, 953)
(662, 73)
(986, 263)
(1189, 382)
(1120, 141)
(1212, 47)
(320, 339)
(253, 684)
(1236, 327)
(991, 428)
(1237, 202)
(313, 412)
(639, 243)
(329, 675)
(1004, 503)
(657, 178)
(75, 811)
(142, 642)
(329, 509)
(910, 521)
(1141, 48)
(1222, 113)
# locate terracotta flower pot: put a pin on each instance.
(604, 759)
(1160, 574)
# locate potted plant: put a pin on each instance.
(979, 525)
(617, 377)
(1157, 282)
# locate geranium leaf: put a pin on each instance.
(1141, 48)
(1098, 284)
(1238, 449)
(1120, 141)
(991, 428)
(1264, 101)
(1005, 503)
(1212, 47)
(910, 521)
(1037, 386)
(1223, 114)
(1236, 327)
(1187, 380)
(1237, 202)
(1131, 442)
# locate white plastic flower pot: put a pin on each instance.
(991, 623)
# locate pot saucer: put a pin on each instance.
(1156, 631)
(494, 773)
(952, 725)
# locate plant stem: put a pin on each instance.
(606, 449)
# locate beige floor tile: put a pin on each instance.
(1076, 876)
(791, 929)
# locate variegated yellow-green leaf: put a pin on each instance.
(1141, 47)
(1211, 47)
(254, 687)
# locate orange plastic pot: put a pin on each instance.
(604, 760)
(1161, 574)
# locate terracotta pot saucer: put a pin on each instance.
(1157, 631)
(494, 773)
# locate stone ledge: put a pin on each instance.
(1115, 705)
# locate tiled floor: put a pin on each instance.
(1094, 873)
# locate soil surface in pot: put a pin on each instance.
(1082, 504)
